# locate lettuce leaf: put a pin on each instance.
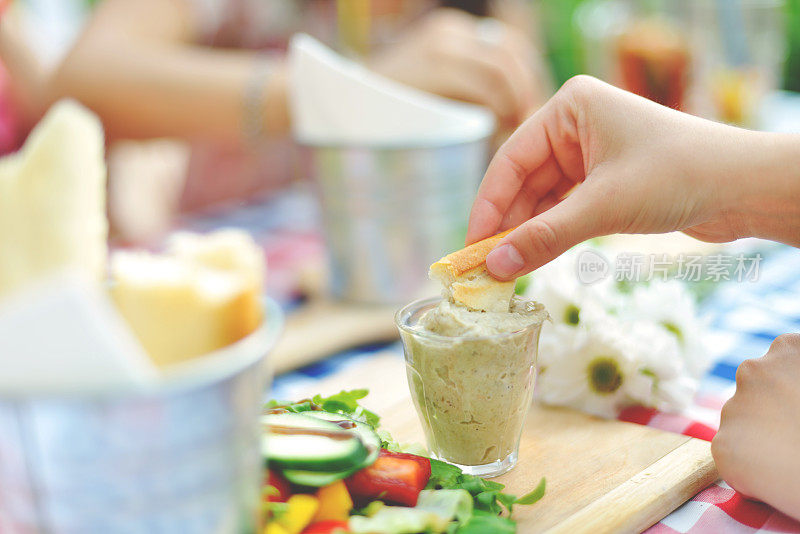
(453, 501)
(449, 504)
(487, 494)
(344, 402)
(398, 520)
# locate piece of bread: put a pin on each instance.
(466, 281)
(228, 250)
(203, 294)
(53, 200)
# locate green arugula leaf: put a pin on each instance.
(507, 500)
(487, 501)
(482, 522)
(444, 476)
(347, 399)
(522, 284)
(534, 495)
(346, 402)
(476, 485)
(488, 495)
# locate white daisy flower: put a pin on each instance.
(556, 342)
(676, 394)
(606, 349)
(661, 378)
(671, 305)
(568, 301)
(592, 371)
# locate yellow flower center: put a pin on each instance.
(572, 315)
(673, 328)
(605, 376)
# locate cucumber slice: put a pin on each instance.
(315, 479)
(296, 441)
(368, 436)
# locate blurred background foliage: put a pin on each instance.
(792, 68)
(566, 47)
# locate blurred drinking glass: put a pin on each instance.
(738, 48)
(713, 58)
(654, 61)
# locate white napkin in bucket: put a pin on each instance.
(336, 101)
(62, 335)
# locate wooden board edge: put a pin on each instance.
(322, 328)
(643, 500)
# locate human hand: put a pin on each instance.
(756, 448)
(638, 167)
(483, 61)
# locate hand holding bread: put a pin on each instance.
(466, 281)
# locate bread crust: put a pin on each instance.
(460, 262)
(465, 280)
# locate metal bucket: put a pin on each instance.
(389, 212)
(183, 456)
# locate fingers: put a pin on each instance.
(526, 159)
(490, 75)
(545, 155)
(509, 65)
(496, 66)
(477, 79)
(539, 240)
(534, 198)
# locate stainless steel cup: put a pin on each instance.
(181, 457)
(388, 212)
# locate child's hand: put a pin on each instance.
(757, 448)
(638, 167)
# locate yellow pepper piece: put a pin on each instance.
(299, 514)
(275, 528)
(334, 503)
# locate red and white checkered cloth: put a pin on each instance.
(718, 508)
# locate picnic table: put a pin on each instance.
(744, 318)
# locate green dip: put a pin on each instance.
(471, 375)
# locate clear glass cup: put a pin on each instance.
(472, 393)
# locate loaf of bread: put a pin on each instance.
(52, 200)
(202, 294)
(466, 281)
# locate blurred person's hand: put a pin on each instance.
(635, 167)
(756, 447)
(456, 55)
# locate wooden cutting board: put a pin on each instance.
(602, 476)
(322, 327)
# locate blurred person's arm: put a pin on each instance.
(27, 76)
(137, 66)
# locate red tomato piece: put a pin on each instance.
(394, 477)
(279, 483)
(326, 527)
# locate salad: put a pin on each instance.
(332, 469)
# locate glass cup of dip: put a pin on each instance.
(472, 392)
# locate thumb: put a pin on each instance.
(543, 238)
